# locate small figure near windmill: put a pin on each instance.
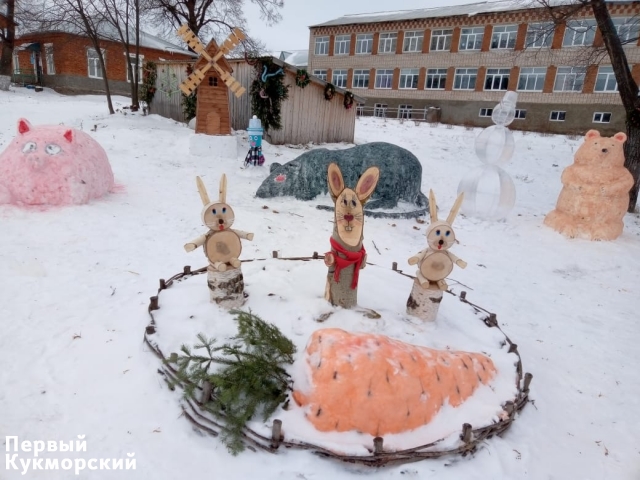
(212, 77)
(435, 263)
(222, 247)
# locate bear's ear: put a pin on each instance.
(621, 137)
(23, 126)
(68, 135)
(591, 134)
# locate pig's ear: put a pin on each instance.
(68, 135)
(23, 126)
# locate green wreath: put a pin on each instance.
(348, 100)
(329, 91)
(302, 78)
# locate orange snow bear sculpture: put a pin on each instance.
(595, 193)
(377, 385)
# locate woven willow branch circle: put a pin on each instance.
(470, 437)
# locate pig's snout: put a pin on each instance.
(37, 162)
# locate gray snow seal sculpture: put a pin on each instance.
(306, 177)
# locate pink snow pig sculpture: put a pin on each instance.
(53, 165)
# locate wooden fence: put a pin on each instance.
(167, 100)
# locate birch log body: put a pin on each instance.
(226, 288)
(424, 303)
(340, 293)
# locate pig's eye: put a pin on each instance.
(52, 149)
(29, 147)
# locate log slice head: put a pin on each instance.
(218, 216)
(440, 236)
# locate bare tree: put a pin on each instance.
(627, 86)
(212, 17)
(7, 37)
(122, 18)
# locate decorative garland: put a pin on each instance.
(190, 102)
(267, 93)
(302, 78)
(348, 100)
(148, 85)
(329, 91)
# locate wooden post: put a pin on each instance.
(186, 270)
(315, 255)
(151, 329)
(463, 295)
(163, 284)
(527, 381)
(226, 288)
(207, 388)
(424, 303)
(493, 320)
(276, 433)
(513, 348)
(274, 254)
(394, 266)
(466, 433)
(378, 444)
(153, 303)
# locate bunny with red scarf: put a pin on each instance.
(347, 256)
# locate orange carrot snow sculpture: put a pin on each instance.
(377, 385)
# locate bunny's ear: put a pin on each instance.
(433, 207)
(455, 209)
(335, 181)
(223, 189)
(204, 196)
(367, 183)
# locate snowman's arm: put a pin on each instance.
(461, 263)
(198, 242)
(245, 235)
(417, 257)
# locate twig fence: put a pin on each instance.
(470, 437)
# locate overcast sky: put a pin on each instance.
(292, 33)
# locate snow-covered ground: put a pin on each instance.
(75, 284)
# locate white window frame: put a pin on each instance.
(339, 78)
(49, 60)
(465, 76)
(16, 60)
(409, 78)
(471, 39)
(132, 56)
(404, 111)
(388, 79)
(533, 78)
(321, 74)
(387, 43)
(342, 45)
(436, 74)
(568, 78)
(599, 117)
(97, 66)
(606, 75)
(321, 46)
(380, 110)
(413, 41)
(499, 78)
(361, 78)
(521, 114)
(579, 33)
(539, 35)
(485, 112)
(627, 28)
(504, 37)
(360, 109)
(364, 43)
(558, 114)
(441, 40)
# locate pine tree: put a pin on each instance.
(246, 374)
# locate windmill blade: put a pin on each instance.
(234, 85)
(194, 43)
(192, 81)
(230, 43)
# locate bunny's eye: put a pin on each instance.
(224, 209)
(447, 233)
(353, 203)
(52, 149)
(29, 147)
(214, 211)
(438, 232)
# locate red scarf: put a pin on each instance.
(352, 258)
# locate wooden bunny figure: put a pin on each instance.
(435, 263)
(347, 256)
(222, 247)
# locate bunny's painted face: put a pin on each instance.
(218, 216)
(440, 236)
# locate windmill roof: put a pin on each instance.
(212, 48)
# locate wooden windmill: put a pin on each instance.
(212, 77)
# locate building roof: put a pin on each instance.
(469, 10)
(297, 58)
